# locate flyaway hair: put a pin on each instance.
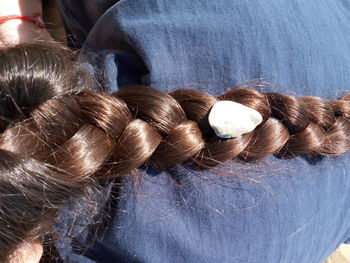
(58, 135)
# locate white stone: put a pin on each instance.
(230, 119)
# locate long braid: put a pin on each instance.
(87, 131)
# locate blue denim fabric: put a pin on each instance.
(298, 210)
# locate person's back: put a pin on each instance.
(276, 210)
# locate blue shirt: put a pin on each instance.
(271, 211)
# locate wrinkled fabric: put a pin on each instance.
(274, 210)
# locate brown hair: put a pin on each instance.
(58, 136)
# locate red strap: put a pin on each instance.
(36, 18)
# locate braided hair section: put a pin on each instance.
(94, 133)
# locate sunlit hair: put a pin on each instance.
(59, 136)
